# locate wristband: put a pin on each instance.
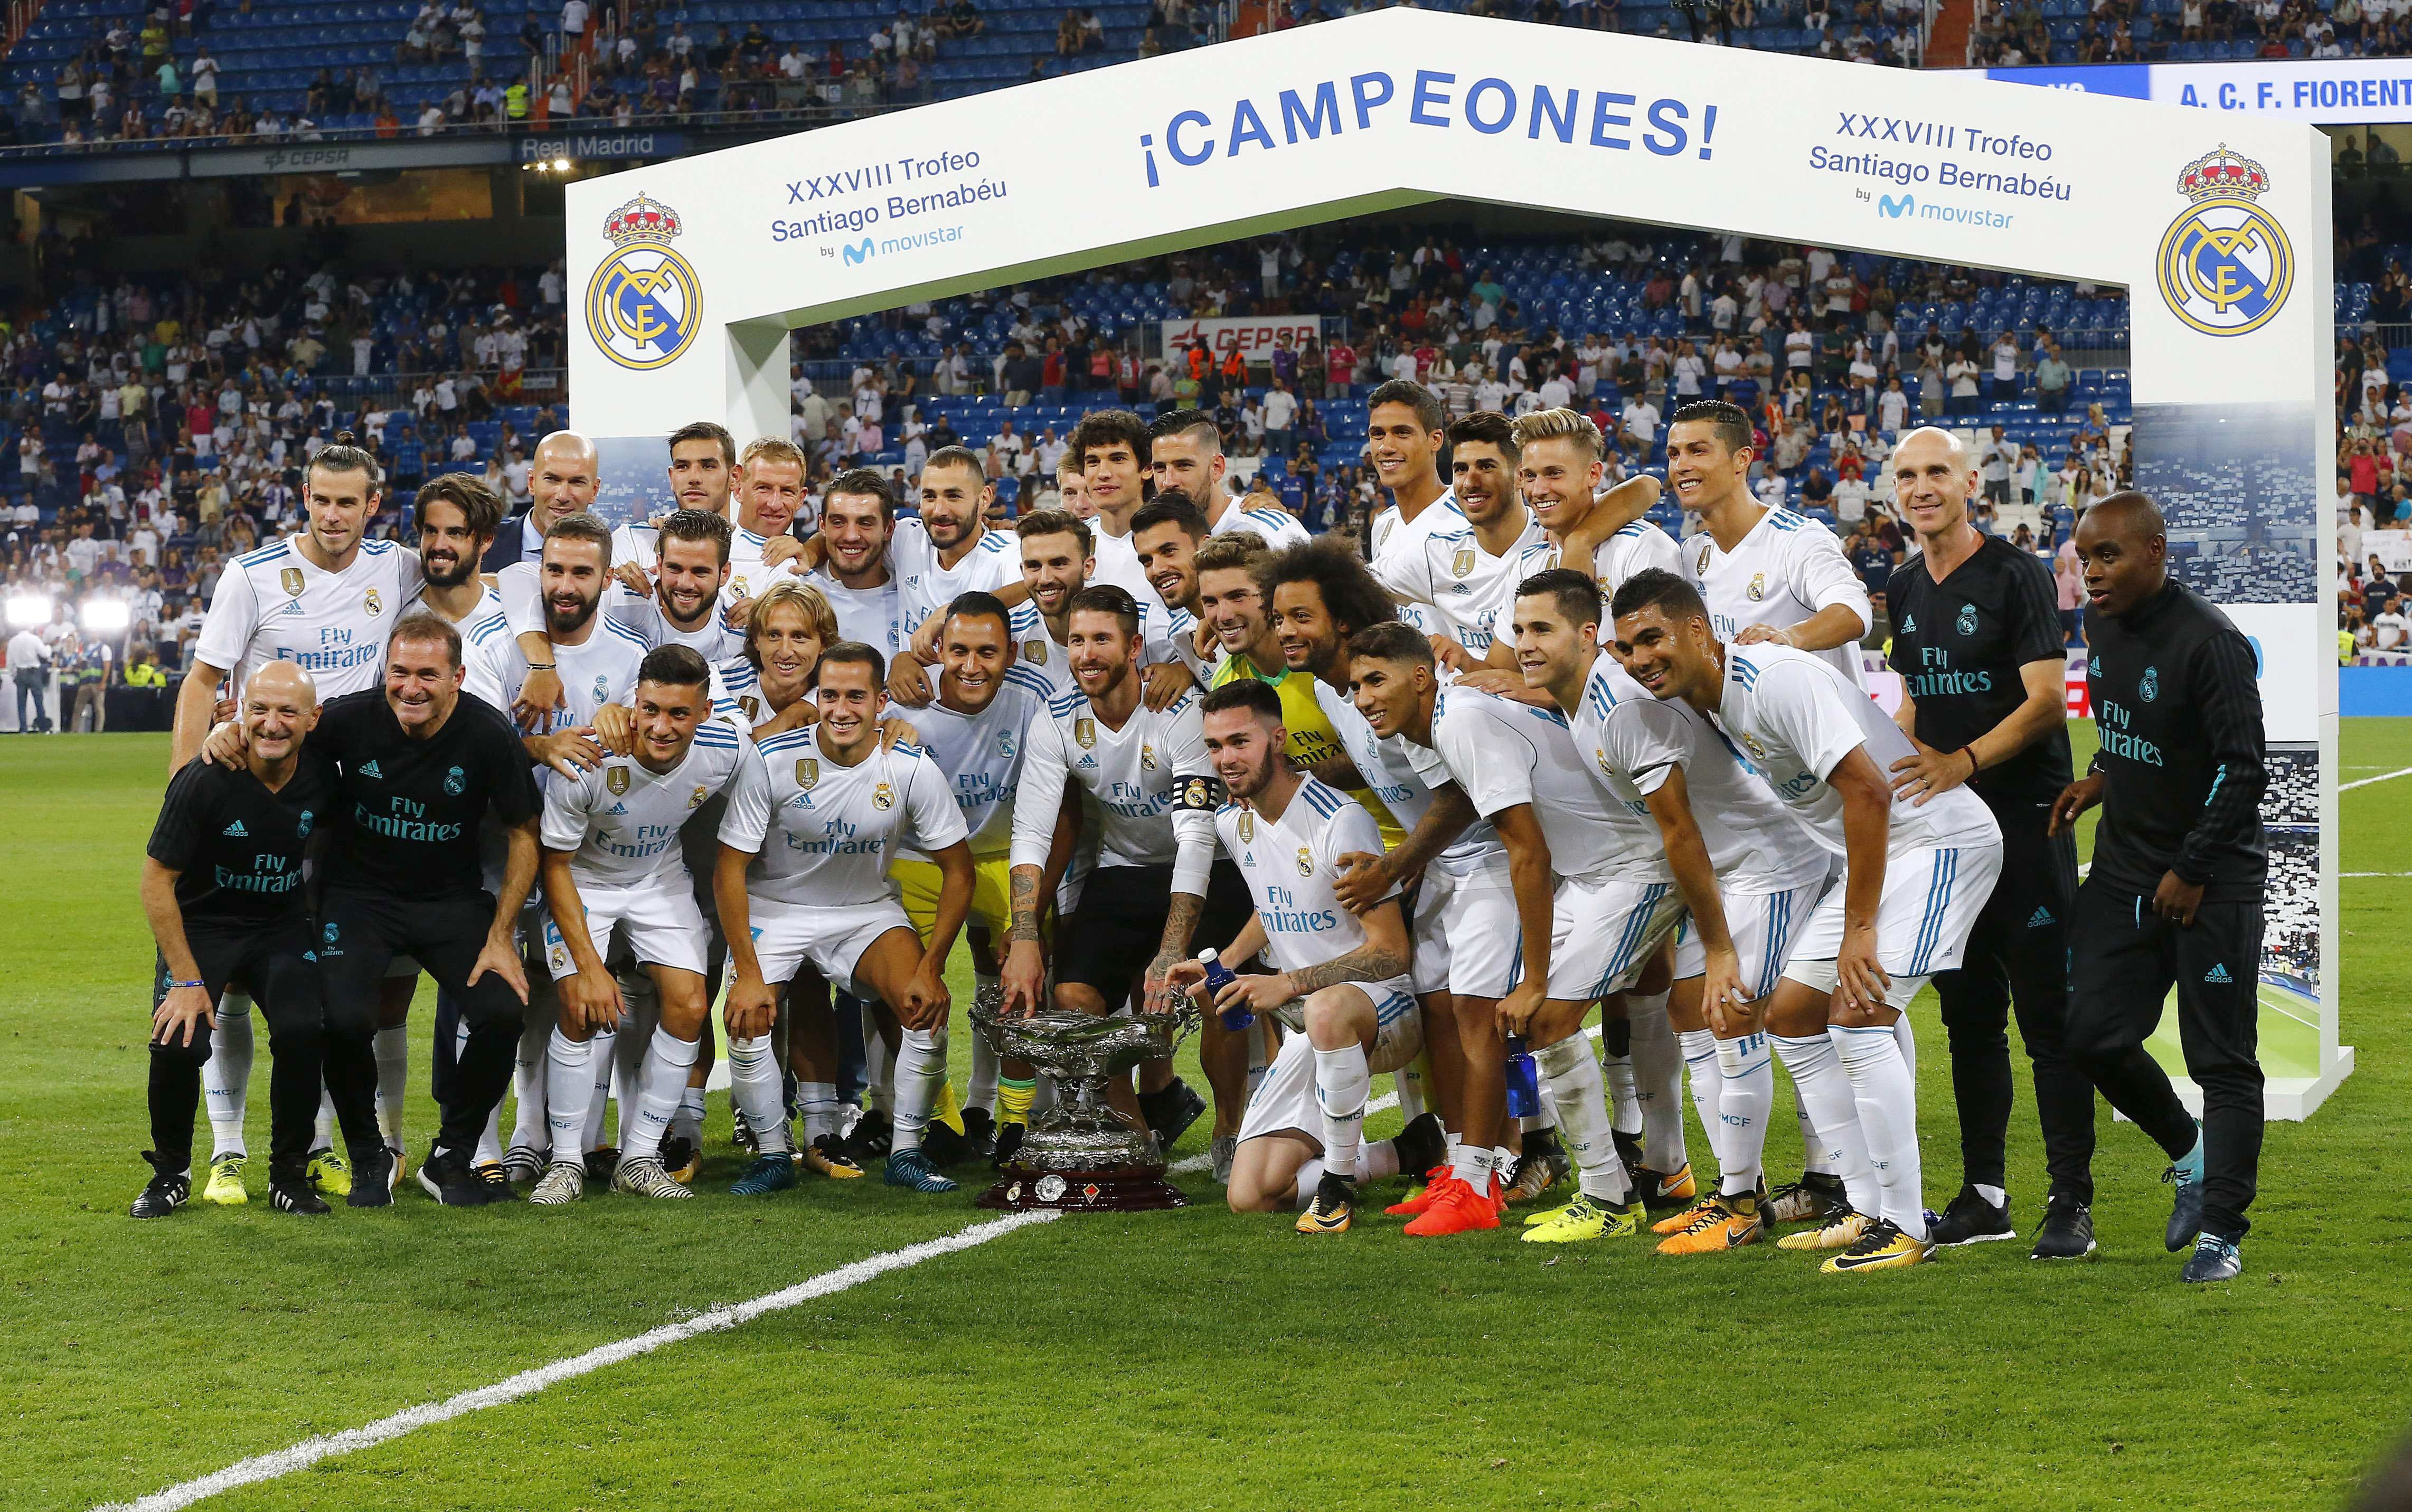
(174, 985)
(539, 667)
(1974, 765)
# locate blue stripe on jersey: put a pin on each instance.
(1779, 937)
(907, 750)
(376, 548)
(1322, 799)
(489, 627)
(1272, 519)
(1786, 520)
(1637, 924)
(1396, 1007)
(1553, 715)
(1182, 622)
(1636, 530)
(1020, 676)
(737, 672)
(1602, 700)
(626, 634)
(1744, 673)
(711, 734)
(787, 739)
(1068, 703)
(265, 554)
(996, 540)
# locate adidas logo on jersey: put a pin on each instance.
(2217, 976)
(1909, 625)
(2042, 917)
(1086, 762)
(370, 770)
(237, 831)
(619, 808)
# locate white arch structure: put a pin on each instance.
(688, 301)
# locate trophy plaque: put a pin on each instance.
(1082, 1156)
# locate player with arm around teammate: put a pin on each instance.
(1358, 1017)
(613, 871)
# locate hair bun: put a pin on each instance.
(345, 438)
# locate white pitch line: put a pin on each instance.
(326, 1446)
(2364, 782)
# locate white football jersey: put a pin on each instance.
(1787, 568)
(1161, 634)
(489, 602)
(621, 820)
(748, 574)
(1115, 559)
(1634, 740)
(276, 605)
(1278, 527)
(1137, 773)
(1460, 583)
(1390, 536)
(1390, 771)
(600, 669)
(981, 755)
(1289, 864)
(924, 586)
(1504, 754)
(1797, 717)
(823, 834)
(870, 615)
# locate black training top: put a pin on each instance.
(235, 846)
(410, 809)
(1958, 645)
(2180, 716)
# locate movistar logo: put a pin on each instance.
(237, 831)
(858, 253)
(1894, 209)
(2042, 917)
(370, 770)
(2218, 974)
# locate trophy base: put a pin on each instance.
(1126, 1189)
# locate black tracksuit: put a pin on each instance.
(1959, 646)
(237, 850)
(2180, 716)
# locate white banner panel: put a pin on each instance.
(1253, 338)
(2334, 91)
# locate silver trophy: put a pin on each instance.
(1082, 1154)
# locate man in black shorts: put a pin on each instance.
(422, 765)
(1155, 884)
(2175, 896)
(1984, 696)
(222, 887)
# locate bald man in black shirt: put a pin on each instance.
(2175, 895)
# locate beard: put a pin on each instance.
(462, 568)
(562, 622)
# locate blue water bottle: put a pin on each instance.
(1219, 977)
(1523, 1082)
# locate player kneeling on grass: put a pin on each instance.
(222, 887)
(1915, 879)
(613, 869)
(1300, 1140)
(806, 850)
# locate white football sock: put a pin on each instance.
(1699, 1049)
(1906, 1039)
(754, 1088)
(1408, 1081)
(1377, 1158)
(1747, 1069)
(490, 1142)
(818, 1102)
(322, 1135)
(920, 1061)
(1888, 1102)
(668, 1061)
(1259, 1057)
(1658, 1077)
(1471, 1166)
(529, 1124)
(1832, 1119)
(1341, 1082)
(981, 1093)
(1623, 1094)
(226, 1076)
(603, 1058)
(393, 1078)
(570, 1086)
(1572, 1076)
(688, 1121)
(1310, 1176)
(1993, 1195)
(878, 1067)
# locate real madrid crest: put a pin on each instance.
(695, 799)
(377, 604)
(616, 779)
(808, 771)
(737, 587)
(291, 580)
(1305, 861)
(1966, 622)
(1758, 589)
(1034, 651)
(1462, 563)
(2225, 266)
(1146, 757)
(644, 303)
(882, 797)
(1084, 731)
(1602, 757)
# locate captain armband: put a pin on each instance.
(1199, 795)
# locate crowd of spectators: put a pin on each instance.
(2010, 32)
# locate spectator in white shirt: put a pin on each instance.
(1640, 423)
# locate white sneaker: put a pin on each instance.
(644, 1177)
(564, 1182)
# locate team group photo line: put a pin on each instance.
(1520, 802)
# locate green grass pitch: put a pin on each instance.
(1190, 1360)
